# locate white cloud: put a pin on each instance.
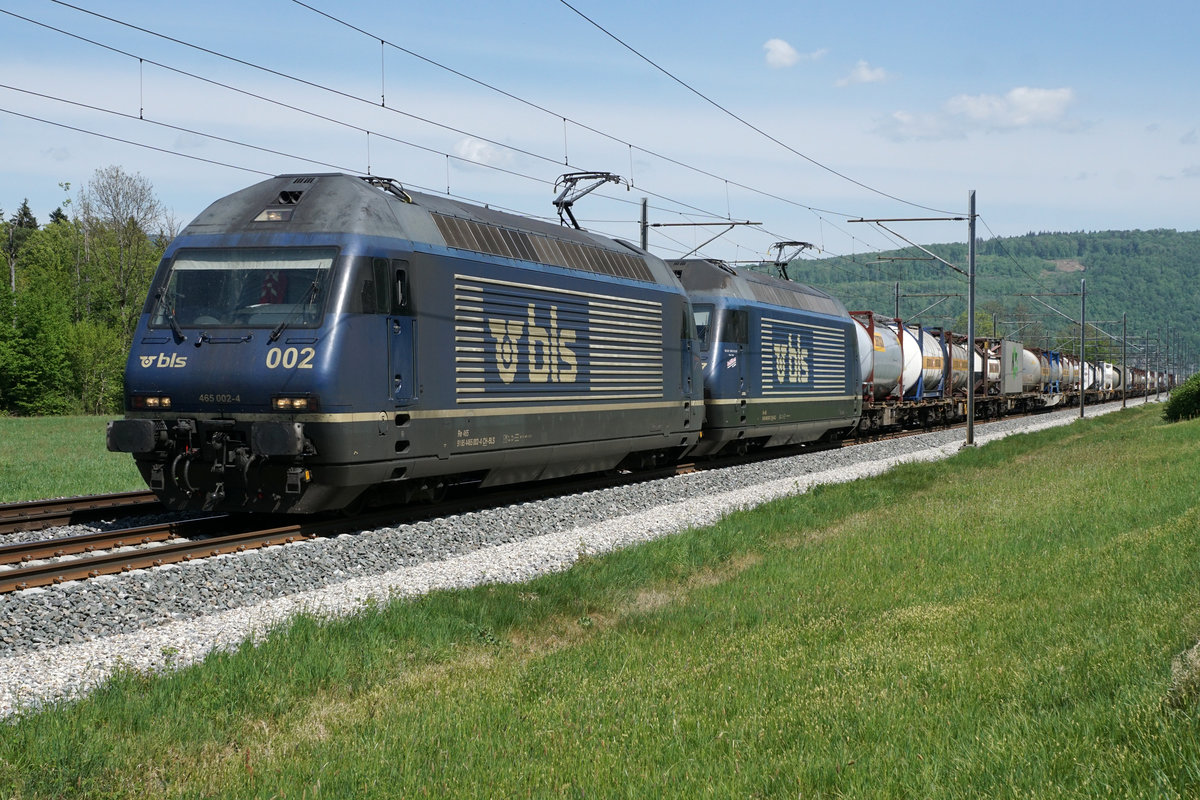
(780, 54)
(863, 73)
(904, 125)
(480, 152)
(1189, 138)
(1020, 108)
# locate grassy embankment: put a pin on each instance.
(1003, 624)
(43, 457)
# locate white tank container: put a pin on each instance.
(1031, 370)
(933, 360)
(958, 367)
(884, 353)
(1111, 381)
(1070, 372)
(866, 351)
(909, 353)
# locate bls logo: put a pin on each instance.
(173, 360)
(546, 350)
(791, 360)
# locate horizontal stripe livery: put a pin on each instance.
(523, 343)
(801, 359)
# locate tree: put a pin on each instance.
(122, 223)
(15, 234)
(35, 370)
(75, 287)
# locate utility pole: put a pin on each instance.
(1157, 363)
(971, 319)
(970, 218)
(1167, 368)
(1124, 361)
(645, 226)
(1082, 343)
(1146, 361)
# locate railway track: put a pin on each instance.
(125, 550)
(18, 562)
(38, 514)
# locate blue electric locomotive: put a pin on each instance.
(780, 359)
(315, 341)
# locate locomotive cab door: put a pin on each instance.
(735, 339)
(402, 333)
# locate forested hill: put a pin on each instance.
(1151, 276)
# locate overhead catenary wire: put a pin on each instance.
(1011, 257)
(558, 116)
(745, 122)
(666, 199)
(140, 117)
(813, 209)
(333, 120)
(131, 142)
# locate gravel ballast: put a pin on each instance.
(58, 642)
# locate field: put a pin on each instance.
(1017, 621)
(42, 457)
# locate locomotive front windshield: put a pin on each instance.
(243, 287)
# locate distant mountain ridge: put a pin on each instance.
(1152, 276)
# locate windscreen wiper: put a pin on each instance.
(169, 313)
(309, 297)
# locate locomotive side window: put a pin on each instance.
(244, 287)
(702, 315)
(400, 270)
(369, 286)
(379, 286)
(687, 327)
(735, 327)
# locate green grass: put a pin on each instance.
(1003, 624)
(42, 457)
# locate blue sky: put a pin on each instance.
(1062, 116)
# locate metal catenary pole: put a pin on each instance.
(971, 320)
(970, 273)
(1082, 344)
(1125, 361)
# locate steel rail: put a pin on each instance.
(109, 563)
(20, 552)
(38, 514)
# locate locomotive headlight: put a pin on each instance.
(150, 401)
(293, 404)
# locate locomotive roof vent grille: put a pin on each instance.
(466, 234)
(790, 298)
